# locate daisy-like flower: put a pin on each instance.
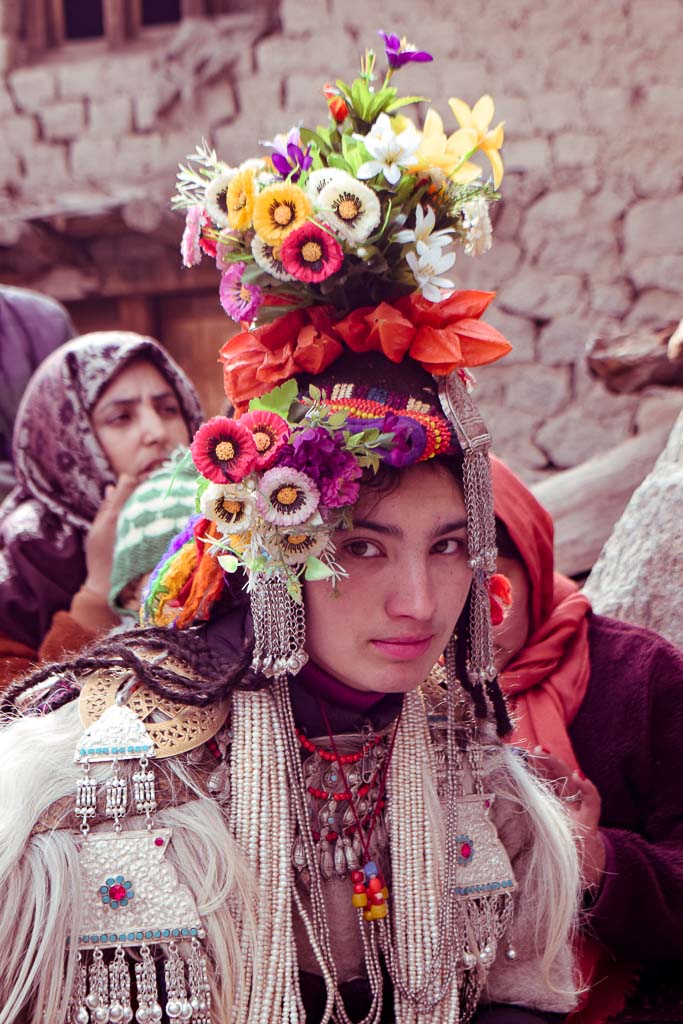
(427, 269)
(270, 433)
(311, 254)
(216, 198)
(287, 497)
(423, 234)
(322, 176)
(230, 506)
(389, 151)
(349, 207)
(190, 249)
(223, 450)
(279, 209)
(268, 259)
(477, 224)
(240, 200)
(475, 123)
(240, 301)
(298, 545)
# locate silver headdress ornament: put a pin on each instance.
(133, 902)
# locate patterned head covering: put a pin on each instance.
(62, 473)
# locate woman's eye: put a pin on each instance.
(447, 546)
(171, 410)
(362, 549)
(121, 417)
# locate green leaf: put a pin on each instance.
(201, 487)
(335, 160)
(279, 400)
(353, 152)
(316, 570)
(228, 562)
(361, 97)
(294, 589)
(337, 419)
(405, 101)
(315, 392)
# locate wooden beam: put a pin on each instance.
(115, 27)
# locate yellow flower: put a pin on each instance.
(278, 209)
(475, 124)
(240, 200)
(444, 153)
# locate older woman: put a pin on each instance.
(99, 414)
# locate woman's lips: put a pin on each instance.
(403, 648)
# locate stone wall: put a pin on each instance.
(589, 234)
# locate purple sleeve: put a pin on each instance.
(638, 913)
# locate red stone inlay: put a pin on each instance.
(465, 850)
(158, 841)
(117, 892)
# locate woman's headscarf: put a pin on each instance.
(546, 680)
(62, 473)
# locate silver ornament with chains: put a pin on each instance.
(333, 816)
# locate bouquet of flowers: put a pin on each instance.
(367, 209)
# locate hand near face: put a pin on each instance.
(99, 544)
(583, 804)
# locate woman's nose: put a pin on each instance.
(411, 593)
(153, 425)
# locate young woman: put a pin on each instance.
(100, 414)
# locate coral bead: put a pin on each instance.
(359, 887)
(377, 899)
(357, 876)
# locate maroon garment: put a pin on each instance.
(628, 737)
(62, 473)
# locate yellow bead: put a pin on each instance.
(378, 912)
(359, 899)
(385, 892)
(367, 914)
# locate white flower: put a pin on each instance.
(268, 259)
(390, 151)
(349, 207)
(426, 270)
(216, 198)
(318, 179)
(230, 506)
(423, 234)
(477, 224)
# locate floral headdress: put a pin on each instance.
(337, 240)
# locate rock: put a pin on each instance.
(586, 501)
(62, 121)
(539, 390)
(613, 299)
(112, 117)
(541, 296)
(564, 340)
(637, 577)
(654, 271)
(521, 334)
(33, 87)
(628, 362)
(573, 436)
(656, 307)
(652, 227)
(574, 150)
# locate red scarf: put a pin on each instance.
(546, 682)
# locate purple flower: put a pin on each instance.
(296, 161)
(399, 52)
(408, 443)
(323, 457)
(240, 301)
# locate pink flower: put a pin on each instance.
(311, 254)
(190, 244)
(270, 433)
(240, 301)
(223, 450)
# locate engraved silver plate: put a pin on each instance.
(117, 735)
(483, 864)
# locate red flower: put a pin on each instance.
(270, 433)
(311, 254)
(223, 450)
(500, 597)
(254, 362)
(336, 104)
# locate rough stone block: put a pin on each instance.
(142, 154)
(324, 55)
(519, 332)
(9, 169)
(92, 158)
(260, 107)
(650, 23)
(553, 111)
(111, 117)
(216, 104)
(604, 107)
(33, 87)
(574, 150)
(517, 116)
(657, 307)
(540, 390)
(585, 253)
(527, 155)
(654, 271)
(63, 121)
(6, 105)
(19, 133)
(653, 227)
(612, 298)
(512, 438)
(572, 437)
(564, 340)
(506, 218)
(47, 168)
(151, 104)
(539, 296)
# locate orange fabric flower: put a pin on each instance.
(254, 362)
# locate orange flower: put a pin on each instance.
(303, 341)
(500, 597)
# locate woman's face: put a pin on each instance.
(137, 420)
(384, 627)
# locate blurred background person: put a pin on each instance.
(100, 414)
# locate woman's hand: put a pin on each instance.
(583, 805)
(99, 544)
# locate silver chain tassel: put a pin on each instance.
(78, 1012)
(178, 1006)
(149, 1011)
(86, 798)
(120, 1008)
(97, 999)
(116, 797)
(279, 627)
(144, 793)
(200, 989)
